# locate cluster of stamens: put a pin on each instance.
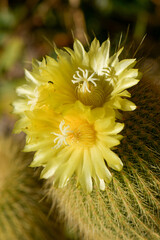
(61, 137)
(110, 75)
(82, 77)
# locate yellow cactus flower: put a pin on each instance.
(67, 109)
(77, 143)
(94, 78)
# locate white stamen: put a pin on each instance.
(83, 76)
(110, 75)
(61, 137)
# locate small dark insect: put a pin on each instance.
(50, 82)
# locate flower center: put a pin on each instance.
(82, 133)
(91, 89)
(84, 79)
(94, 98)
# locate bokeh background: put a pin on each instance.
(30, 28)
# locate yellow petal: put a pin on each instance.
(125, 93)
(105, 49)
(111, 158)
(61, 54)
(102, 124)
(129, 73)
(108, 140)
(85, 177)
(31, 147)
(100, 183)
(20, 125)
(20, 105)
(123, 64)
(124, 84)
(79, 49)
(114, 129)
(125, 104)
(26, 91)
(114, 59)
(99, 164)
(94, 47)
(42, 156)
(65, 172)
(99, 55)
(55, 163)
(30, 77)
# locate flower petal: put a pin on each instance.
(99, 164)
(65, 172)
(94, 47)
(109, 141)
(129, 73)
(123, 64)
(111, 158)
(105, 50)
(79, 49)
(124, 104)
(55, 163)
(20, 106)
(114, 59)
(25, 90)
(41, 157)
(124, 84)
(100, 183)
(86, 172)
(30, 77)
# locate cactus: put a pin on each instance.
(23, 214)
(129, 207)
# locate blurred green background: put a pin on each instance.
(29, 28)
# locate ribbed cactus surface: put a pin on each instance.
(129, 207)
(23, 214)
